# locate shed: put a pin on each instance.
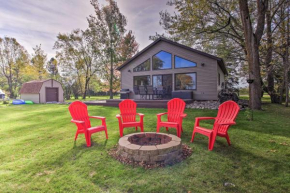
(2, 94)
(42, 91)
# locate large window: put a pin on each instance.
(183, 63)
(145, 66)
(142, 80)
(185, 81)
(161, 61)
(162, 81)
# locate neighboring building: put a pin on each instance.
(42, 91)
(2, 94)
(174, 67)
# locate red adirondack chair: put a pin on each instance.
(175, 116)
(127, 118)
(80, 117)
(226, 116)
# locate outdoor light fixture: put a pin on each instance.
(129, 70)
(250, 81)
(202, 64)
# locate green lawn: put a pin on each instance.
(38, 154)
(93, 98)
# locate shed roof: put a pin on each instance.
(219, 60)
(32, 87)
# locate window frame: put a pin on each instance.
(141, 76)
(184, 59)
(158, 53)
(143, 63)
(219, 79)
(185, 73)
(162, 77)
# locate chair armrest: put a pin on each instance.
(97, 117)
(140, 114)
(227, 123)
(183, 115)
(197, 119)
(204, 118)
(160, 114)
(76, 121)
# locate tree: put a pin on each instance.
(38, 61)
(79, 55)
(108, 25)
(252, 41)
(52, 67)
(217, 24)
(13, 59)
(124, 51)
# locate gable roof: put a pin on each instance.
(219, 60)
(32, 87)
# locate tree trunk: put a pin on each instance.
(287, 59)
(252, 41)
(86, 88)
(269, 66)
(111, 73)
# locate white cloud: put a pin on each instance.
(34, 22)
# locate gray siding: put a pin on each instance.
(206, 75)
(222, 80)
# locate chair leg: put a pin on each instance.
(211, 141)
(88, 139)
(106, 131)
(228, 139)
(142, 127)
(136, 128)
(121, 131)
(76, 136)
(166, 128)
(158, 128)
(193, 134)
(177, 130)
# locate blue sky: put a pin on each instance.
(34, 22)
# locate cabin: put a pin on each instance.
(42, 91)
(167, 69)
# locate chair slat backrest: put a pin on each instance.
(79, 112)
(142, 90)
(176, 108)
(128, 110)
(150, 90)
(227, 112)
(136, 90)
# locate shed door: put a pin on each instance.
(51, 94)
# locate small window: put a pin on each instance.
(145, 66)
(161, 61)
(183, 63)
(142, 80)
(185, 81)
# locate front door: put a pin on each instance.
(51, 94)
(163, 82)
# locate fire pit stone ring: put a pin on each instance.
(150, 148)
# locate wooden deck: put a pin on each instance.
(140, 103)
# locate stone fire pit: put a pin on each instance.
(150, 148)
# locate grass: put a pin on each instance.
(38, 153)
(93, 98)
